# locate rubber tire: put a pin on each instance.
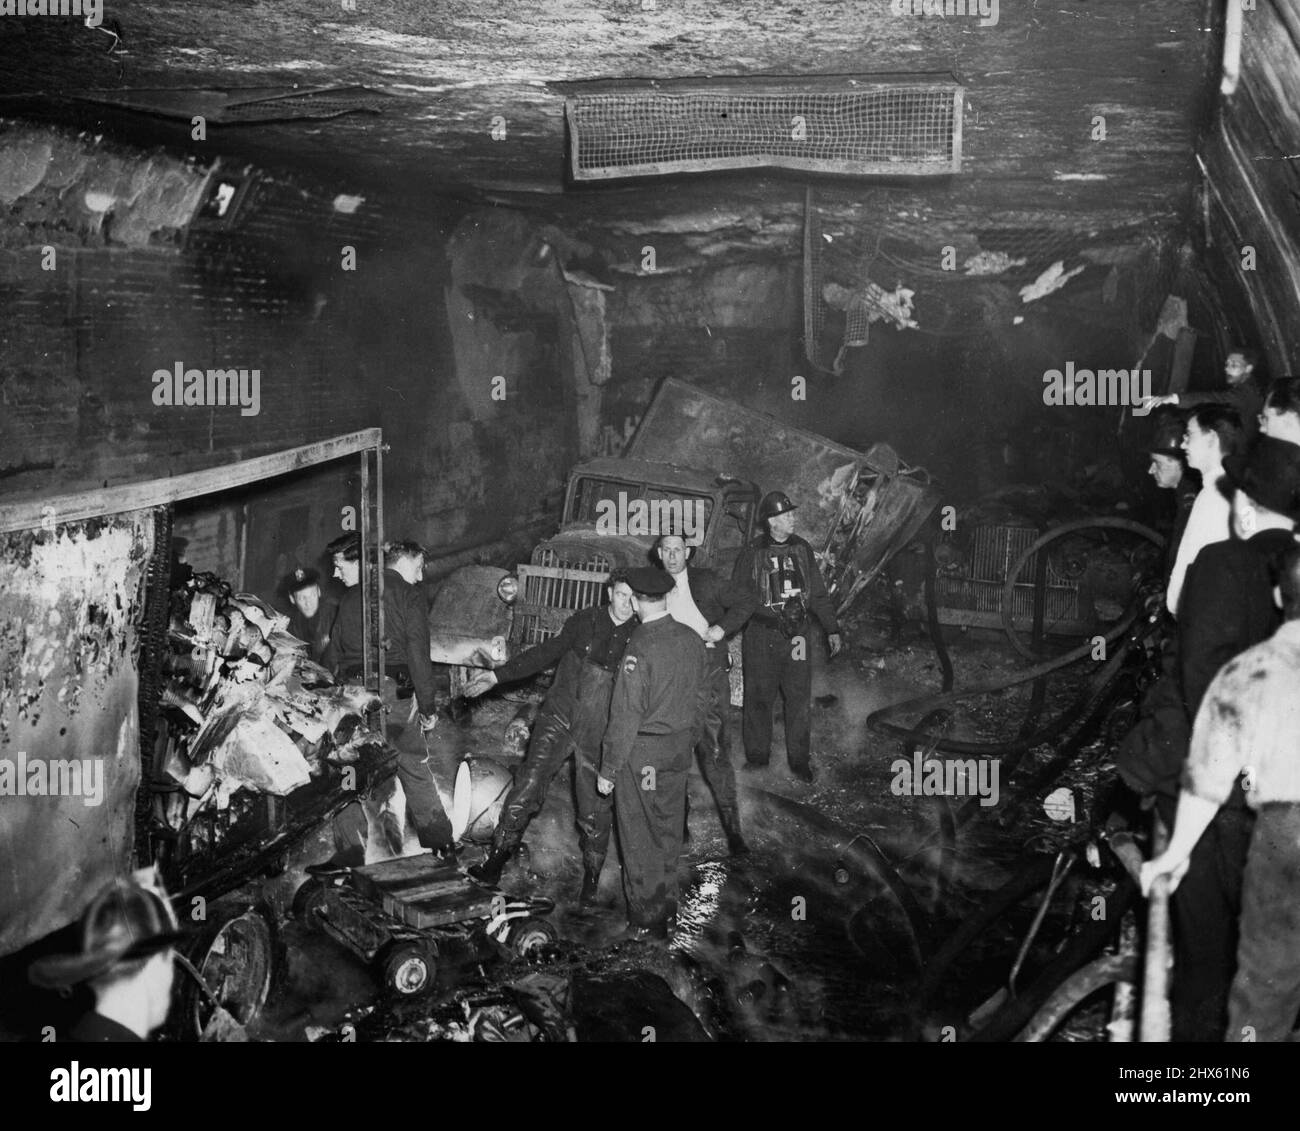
(1099, 522)
(530, 934)
(399, 961)
(307, 899)
(259, 930)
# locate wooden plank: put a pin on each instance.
(378, 879)
(439, 912)
(158, 492)
(418, 889)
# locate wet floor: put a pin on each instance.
(792, 942)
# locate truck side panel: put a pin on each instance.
(70, 607)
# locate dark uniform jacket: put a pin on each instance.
(728, 604)
(771, 569)
(660, 690)
(1247, 398)
(406, 636)
(589, 636)
(94, 1028)
(1226, 607)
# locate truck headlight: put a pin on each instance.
(508, 589)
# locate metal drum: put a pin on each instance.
(481, 788)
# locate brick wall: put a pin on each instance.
(337, 351)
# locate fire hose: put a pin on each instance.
(880, 721)
(1087, 980)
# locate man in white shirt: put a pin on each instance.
(1213, 434)
(715, 608)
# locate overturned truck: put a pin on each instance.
(701, 462)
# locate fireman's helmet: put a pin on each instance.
(774, 503)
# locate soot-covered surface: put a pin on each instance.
(794, 942)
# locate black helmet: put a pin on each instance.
(129, 918)
(774, 503)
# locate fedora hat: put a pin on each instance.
(129, 918)
(1269, 473)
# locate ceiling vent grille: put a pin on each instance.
(856, 129)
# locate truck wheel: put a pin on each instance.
(408, 969)
(235, 954)
(308, 899)
(531, 934)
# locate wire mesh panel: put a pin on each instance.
(863, 129)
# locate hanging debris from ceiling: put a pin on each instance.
(1053, 279)
(864, 305)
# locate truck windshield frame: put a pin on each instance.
(631, 499)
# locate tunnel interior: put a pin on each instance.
(378, 218)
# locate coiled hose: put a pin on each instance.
(881, 721)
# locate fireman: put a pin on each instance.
(781, 570)
(572, 721)
(656, 719)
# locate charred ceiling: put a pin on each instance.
(1072, 110)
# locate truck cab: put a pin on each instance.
(614, 509)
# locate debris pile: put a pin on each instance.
(246, 708)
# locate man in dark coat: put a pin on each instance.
(1281, 416)
(1169, 470)
(408, 690)
(1243, 392)
(572, 720)
(1227, 606)
(1249, 722)
(716, 608)
(781, 571)
(656, 719)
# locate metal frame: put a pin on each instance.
(62, 509)
(763, 85)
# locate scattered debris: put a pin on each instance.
(1053, 279)
(246, 708)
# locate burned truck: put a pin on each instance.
(702, 461)
(613, 511)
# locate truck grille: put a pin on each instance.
(553, 587)
(976, 598)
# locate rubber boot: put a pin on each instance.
(590, 886)
(489, 871)
(731, 827)
(592, 863)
